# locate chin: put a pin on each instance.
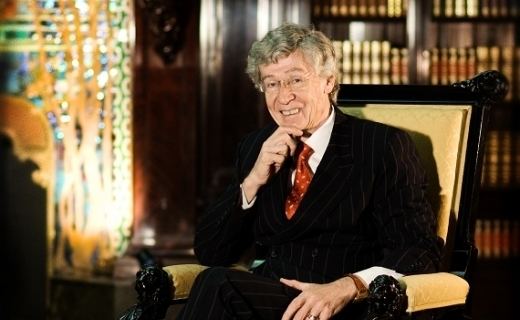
(292, 121)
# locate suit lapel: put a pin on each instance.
(330, 181)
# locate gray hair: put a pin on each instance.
(288, 38)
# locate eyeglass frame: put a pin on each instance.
(286, 83)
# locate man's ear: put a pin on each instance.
(329, 86)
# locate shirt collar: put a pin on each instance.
(319, 140)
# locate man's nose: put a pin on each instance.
(285, 94)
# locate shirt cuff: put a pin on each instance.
(246, 205)
(368, 275)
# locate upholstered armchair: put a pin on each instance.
(448, 125)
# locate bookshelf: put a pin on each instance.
(441, 42)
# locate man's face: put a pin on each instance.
(295, 95)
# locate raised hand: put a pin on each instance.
(275, 150)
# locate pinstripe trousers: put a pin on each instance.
(223, 293)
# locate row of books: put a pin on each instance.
(502, 159)
(497, 238)
(476, 8)
(448, 65)
(360, 8)
(371, 62)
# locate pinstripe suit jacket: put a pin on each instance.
(365, 206)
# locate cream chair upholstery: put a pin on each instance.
(448, 125)
(440, 133)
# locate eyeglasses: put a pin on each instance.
(294, 83)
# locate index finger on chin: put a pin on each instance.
(292, 131)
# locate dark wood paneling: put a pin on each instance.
(232, 107)
(164, 127)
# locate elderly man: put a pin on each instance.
(333, 200)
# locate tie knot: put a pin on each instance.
(304, 151)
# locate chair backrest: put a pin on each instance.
(448, 125)
(440, 134)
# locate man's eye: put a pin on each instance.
(296, 81)
(271, 84)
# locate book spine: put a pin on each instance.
(353, 8)
(343, 8)
(398, 8)
(376, 58)
(316, 8)
(503, 8)
(404, 66)
(334, 8)
(452, 65)
(338, 51)
(462, 65)
(356, 62)
(444, 67)
(496, 238)
(325, 8)
(390, 8)
(507, 69)
(395, 66)
(385, 64)
(482, 58)
(492, 158)
(472, 63)
(448, 8)
(494, 8)
(494, 61)
(505, 239)
(506, 157)
(472, 8)
(437, 8)
(362, 8)
(347, 62)
(460, 8)
(486, 239)
(372, 8)
(434, 67)
(484, 8)
(381, 8)
(365, 62)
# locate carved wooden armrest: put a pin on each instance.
(157, 288)
(391, 299)
(154, 295)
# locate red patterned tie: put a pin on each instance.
(302, 179)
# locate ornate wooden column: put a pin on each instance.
(165, 92)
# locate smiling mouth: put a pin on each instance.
(290, 112)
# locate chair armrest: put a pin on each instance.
(434, 290)
(183, 276)
(392, 299)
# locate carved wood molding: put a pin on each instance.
(167, 21)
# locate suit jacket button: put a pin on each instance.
(314, 252)
(274, 254)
